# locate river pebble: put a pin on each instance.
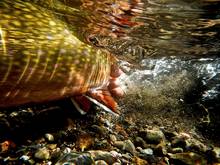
(77, 158)
(176, 150)
(126, 145)
(147, 151)
(216, 153)
(25, 158)
(154, 136)
(49, 137)
(42, 153)
(103, 155)
(100, 162)
(140, 142)
(88, 141)
(189, 158)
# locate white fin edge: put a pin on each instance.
(105, 108)
(77, 107)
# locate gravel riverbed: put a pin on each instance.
(58, 134)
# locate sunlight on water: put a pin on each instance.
(172, 28)
(162, 40)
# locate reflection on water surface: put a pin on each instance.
(138, 29)
(172, 28)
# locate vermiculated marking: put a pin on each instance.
(41, 59)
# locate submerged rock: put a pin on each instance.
(189, 158)
(216, 153)
(49, 137)
(100, 162)
(76, 158)
(154, 136)
(126, 145)
(42, 153)
(108, 157)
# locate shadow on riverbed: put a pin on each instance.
(19, 124)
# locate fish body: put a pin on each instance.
(41, 59)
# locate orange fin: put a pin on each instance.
(81, 103)
(101, 98)
(104, 107)
(104, 97)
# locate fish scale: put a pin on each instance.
(41, 59)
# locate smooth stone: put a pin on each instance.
(154, 136)
(2, 115)
(139, 161)
(176, 150)
(13, 114)
(139, 149)
(129, 146)
(126, 145)
(140, 142)
(127, 156)
(103, 155)
(196, 145)
(42, 154)
(147, 151)
(31, 161)
(24, 158)
(100, 162)
(184, 135)
(189, 158)
(216, 153)
(113, 138)
(49, 163)
(99, 145)
(147, 154)
(49, 137)
(115, 154)
(119, 144)
(83, 158)
(116, 163)
(99, 129)
(66, 150)
(51, 146)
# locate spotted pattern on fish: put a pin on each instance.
(41, 59)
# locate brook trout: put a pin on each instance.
(41, 59)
